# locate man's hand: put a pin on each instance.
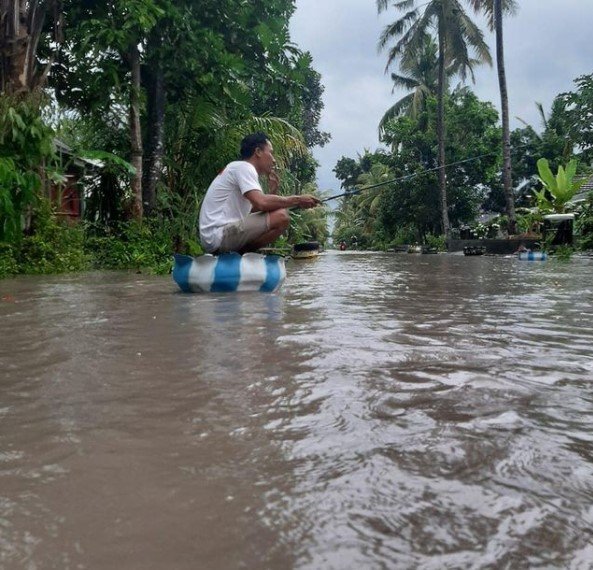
(273, 182)
(308, 201)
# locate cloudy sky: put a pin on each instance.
(548, 44)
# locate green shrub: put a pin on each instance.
(134, 245)
(404, 235)
(437, 242)
(8, 261)
(26, 142)
(584, 224)
(529, 222)
(54, 247)
(586, 241)
(563, 252)
(557, 190)
(503, 222)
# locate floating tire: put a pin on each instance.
(229, 272)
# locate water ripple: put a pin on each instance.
(383, 411)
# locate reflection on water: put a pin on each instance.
(382, 411)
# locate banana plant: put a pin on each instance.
(557, 190)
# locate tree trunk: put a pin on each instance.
(21, 27)
(506, 133)
(155, 150)
(441, 132)
(14, 38)
(135, 132)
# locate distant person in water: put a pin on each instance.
(236, 215)
(522, 249)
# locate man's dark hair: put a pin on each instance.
(251, 142)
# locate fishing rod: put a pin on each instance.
(406, 177)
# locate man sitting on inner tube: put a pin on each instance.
(236, 215)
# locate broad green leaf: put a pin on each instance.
(545, 174)
(571, 170)
(561, 186)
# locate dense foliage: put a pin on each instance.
(449, 162)
(160, 92)
(26, 158)
(584, 225)
(461, 47)
(146, 100)
(408, 210)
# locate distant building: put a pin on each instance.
(584, 191)
(68, 196)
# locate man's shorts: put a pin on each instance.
(237, 235)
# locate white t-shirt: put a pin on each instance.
(224, 202)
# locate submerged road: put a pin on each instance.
(381, 411)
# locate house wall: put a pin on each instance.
(67, 200)
(496, 246)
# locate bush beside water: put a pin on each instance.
(59, 247)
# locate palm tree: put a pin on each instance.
(420, 78)
(457, 35)
(556, 140)
(202, 140)
(348, 220)
(309, 224)
(494, 11)
(369, 200)
(366, 204)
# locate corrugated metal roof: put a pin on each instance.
(584, 191)
(63, 148)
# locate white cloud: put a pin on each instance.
(547, 46)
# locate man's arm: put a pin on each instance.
(261, 202)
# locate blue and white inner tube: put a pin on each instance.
(229, 272)
(533, 256)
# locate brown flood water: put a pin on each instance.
(382, 411)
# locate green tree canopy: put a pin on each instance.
(461, 46)
(412, 204)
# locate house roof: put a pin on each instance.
(63, 149)
(584, 191)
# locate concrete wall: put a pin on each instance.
(498, 246)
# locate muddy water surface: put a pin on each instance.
(382, 411)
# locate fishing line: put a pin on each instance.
(409, 176)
